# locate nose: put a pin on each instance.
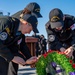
(58, 28)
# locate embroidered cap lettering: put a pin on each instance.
(55, 19)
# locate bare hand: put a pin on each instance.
(32, 60)
(34, 64)
(62, 49)
(69, 51)
(18, 60)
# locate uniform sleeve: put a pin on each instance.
(53, 42)
(73, 40)
(24, 48)
(5, 52)
(73, 37)
(72, 26)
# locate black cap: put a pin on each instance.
(34, 8)
(56, 18)
(32, 20)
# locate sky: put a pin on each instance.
(12, 6)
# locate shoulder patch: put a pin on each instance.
(51, 38)
(3, 36)
(72, 26)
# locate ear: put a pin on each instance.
(23, 21)
(21, 15)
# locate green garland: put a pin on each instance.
(57, 57)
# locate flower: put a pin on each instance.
(71, 61)
(45, 55)
(57, 57)
(73, 65)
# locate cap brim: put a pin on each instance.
(56, 24)
(38, 15)
(17, 14)
(35, 30)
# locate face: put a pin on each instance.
(58, 28)
(25, 27)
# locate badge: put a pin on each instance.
(3, 36)
(51, 38)
(19, 41)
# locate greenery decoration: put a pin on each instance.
(57, 57)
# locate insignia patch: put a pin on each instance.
(19, 41)
(51, 38)
(3, 36)
(72, 27)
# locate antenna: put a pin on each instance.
(3, 13)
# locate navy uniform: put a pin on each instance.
(11, 42)
(32, 8)
(63, 38)
(43, 44)
(60, 38)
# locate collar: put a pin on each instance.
(16, 32)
